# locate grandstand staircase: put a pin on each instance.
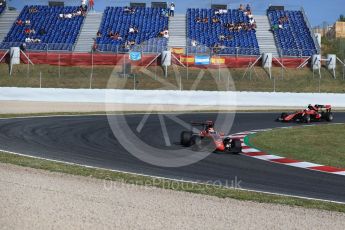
(265, 37)
(177, 31)
(88, 32)
(7, 19)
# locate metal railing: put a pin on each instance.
(39, 47)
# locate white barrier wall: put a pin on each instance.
(206, 98)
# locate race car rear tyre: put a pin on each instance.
(306, 118)
(186, 138)
(329, 117)
(236, 146)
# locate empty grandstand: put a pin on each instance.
(123, 29)
(292, 34)
(227, 32)
(45, 28)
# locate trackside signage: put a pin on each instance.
(202, 60)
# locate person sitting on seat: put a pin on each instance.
(27, 22)
(99, 34)
(248, 7)
(33, 10)
(42, 32)
(241, 8)
(198, 20)
(215, 20)
(166, 33)
(194, 43)
(19, 22)
(23, 47)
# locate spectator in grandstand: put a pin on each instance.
(19, 22)
(216, 48)
(83, 6)
(129, 10)
(27, 31)
(2, 3)
(194, 43)
(116, 36)
(198, 20)
(133, 30)
(94, 46)
(110, 34)
(99, 34)
(91, 4)
(32, 40)
(126, 9)
(33, 10)
(172, 10)
(241, 8)
(248, 8)
(164, 12)
(215, 20)
(27, 22)
(164, 33)
(205, 20)
(42, 32)
(22, 47)
(131, 43)
(220, 12)
(283, 19)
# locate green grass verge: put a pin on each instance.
(294, 80)
(211, 190)
(322, 144)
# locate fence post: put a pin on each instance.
(187, 63)
(28, 69)
(91, 75)
(40, 79)
(59, 66)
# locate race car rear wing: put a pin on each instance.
(328, 107)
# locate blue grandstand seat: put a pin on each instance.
(61, 33)
(148, 21)
(295, 38)
(207, 34)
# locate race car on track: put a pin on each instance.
(218, 142)
(312, 113)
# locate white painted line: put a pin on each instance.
(303, 164)
(268, 157)
(250, 150)
(340, 173)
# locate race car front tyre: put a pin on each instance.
(236, 146)
(306, 118)
(329, 117)
(186, 138)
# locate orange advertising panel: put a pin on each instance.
(185, 59)
(218, 61)
(177, 50)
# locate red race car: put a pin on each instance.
(210, 139)
(312, 113)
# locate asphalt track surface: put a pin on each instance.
(89, 140)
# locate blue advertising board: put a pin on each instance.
(202, 60)
(135, 56)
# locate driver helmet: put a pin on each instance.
(211, 130)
